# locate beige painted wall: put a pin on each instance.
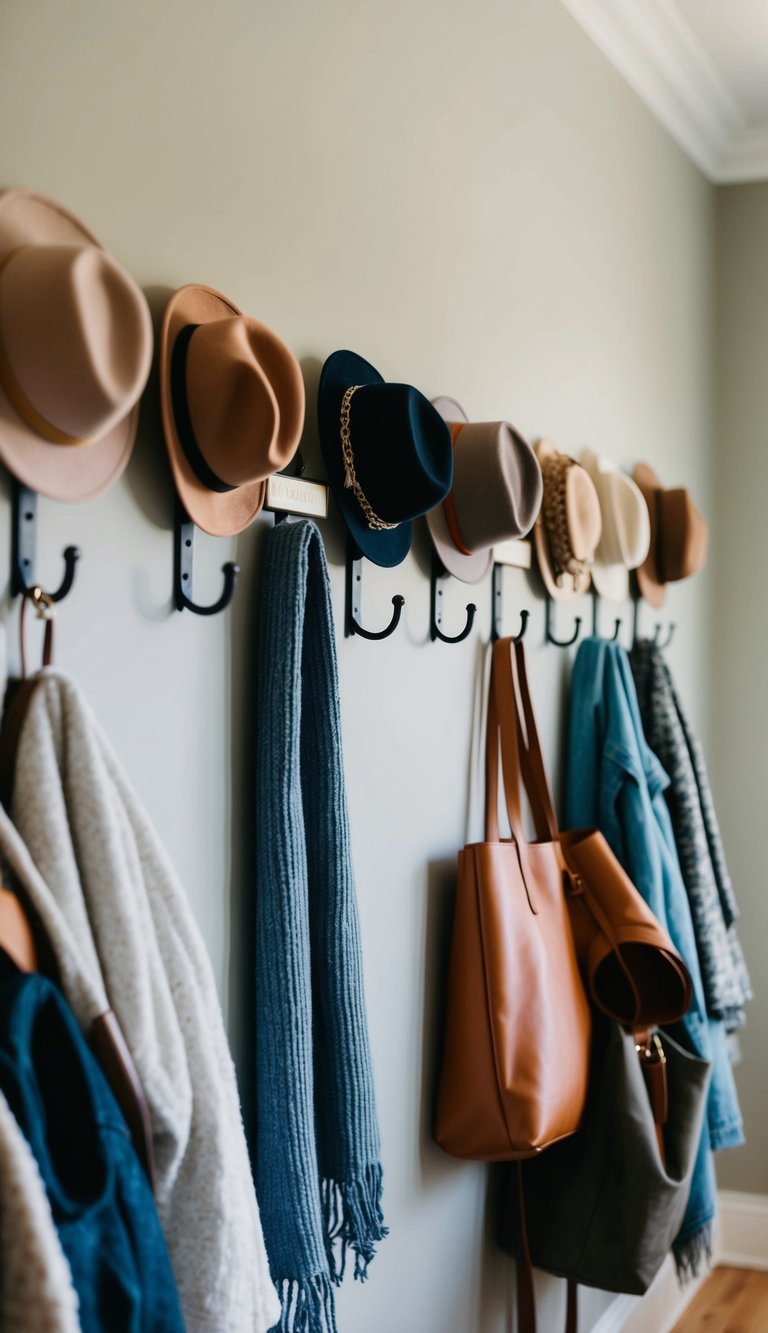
(471, 197)
(740, 628)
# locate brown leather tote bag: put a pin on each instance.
(517, 1032)
(518, 1025)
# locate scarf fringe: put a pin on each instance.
(308, 1307)
(693, 1254)
(353, 1220)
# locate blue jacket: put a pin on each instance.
(615, 783)
(100, 1198)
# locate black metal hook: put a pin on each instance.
(669, 638)
(612, 638)
(24, 546)
(549, 636)
(354, 588)
(437, 573)
(183, 550)
(496, 632)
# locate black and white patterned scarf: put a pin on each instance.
(727, 986)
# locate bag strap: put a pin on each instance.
(534, 770)
(502, 732)
(526, 1296)
(46, 610)
(520, 746)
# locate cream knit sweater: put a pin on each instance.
(36, 1292)
(124, 937)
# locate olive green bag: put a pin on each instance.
(603, 1207)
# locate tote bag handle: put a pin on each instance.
(511, 721)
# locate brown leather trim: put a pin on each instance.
(111, 1051)
(449, 505)
(17, 699)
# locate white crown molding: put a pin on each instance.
(745, 158)
(653, 48)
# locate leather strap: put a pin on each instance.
(449, 504)
(503, 730)
(502, 735)
(534, 772)
(111, 1051)
(526, 1298)
(17, 699)
(39, 599)
(572, 1307)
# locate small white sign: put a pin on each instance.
(294, 495)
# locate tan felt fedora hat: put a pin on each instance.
(679, 536)
(569, 525)
(75, 351)
(232, 399)
(495, 496)
(626, 535)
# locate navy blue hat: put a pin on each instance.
(399, 456)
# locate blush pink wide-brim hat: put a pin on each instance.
(75, 351)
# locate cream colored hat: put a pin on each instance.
(75, 351)
(569, 526)
(626, 535)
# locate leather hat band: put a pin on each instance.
(449, 507)
(19, 401)
(184, 429)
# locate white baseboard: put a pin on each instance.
(657, 1311)
(741, 1241)
(743, 1230)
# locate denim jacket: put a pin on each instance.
(615, 783)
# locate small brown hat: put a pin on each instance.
(232, 399)
(495, 496)
(679, 536)
(75, 351)
(569, 526)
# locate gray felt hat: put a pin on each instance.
(496, 493)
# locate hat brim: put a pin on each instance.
(611, 581)
(341, 370)
(649, 583)
(61, 471)
(222, 514)
(468, 568)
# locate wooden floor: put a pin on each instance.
(732, 1300)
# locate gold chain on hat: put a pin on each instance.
(350, 479)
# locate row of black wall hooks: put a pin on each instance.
(354, 582)
(23, 580)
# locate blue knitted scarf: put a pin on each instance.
(318, 1176)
